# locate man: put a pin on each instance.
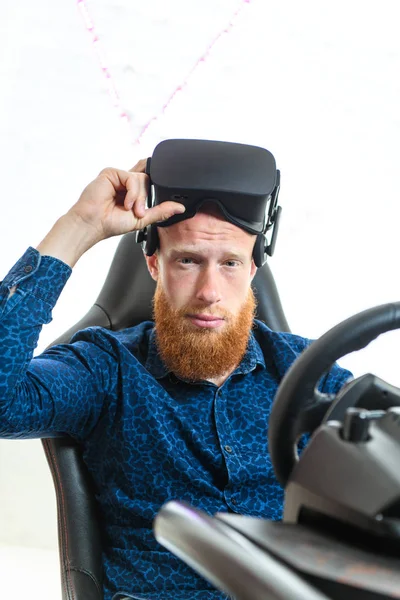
(175, 411)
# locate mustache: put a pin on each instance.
(191, 310)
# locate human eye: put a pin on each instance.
(232, 263)
(185, 260)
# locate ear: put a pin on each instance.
(253, 269)
(152, 265)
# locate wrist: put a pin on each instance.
(69, 238)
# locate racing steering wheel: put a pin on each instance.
(298, 391)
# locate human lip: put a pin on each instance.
(206, 321)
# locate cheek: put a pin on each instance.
(178, 288)
(240, 293)
(235, 291)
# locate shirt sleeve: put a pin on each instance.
(287, 348)
(63, 390)
(334, 380)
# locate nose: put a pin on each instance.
(209, 286)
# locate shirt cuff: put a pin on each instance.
(43, 276)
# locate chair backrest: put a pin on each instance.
(125, 300)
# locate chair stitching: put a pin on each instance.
(63, 520)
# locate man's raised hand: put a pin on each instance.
(115, 202)
(112, 204)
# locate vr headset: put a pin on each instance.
(241, 180)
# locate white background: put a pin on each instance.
(315, 82)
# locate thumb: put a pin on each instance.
(161, 212)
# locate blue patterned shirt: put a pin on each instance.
(147, 436)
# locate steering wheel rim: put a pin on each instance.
(298, 388)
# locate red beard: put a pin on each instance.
(193, 353)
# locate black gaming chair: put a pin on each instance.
(125, 300)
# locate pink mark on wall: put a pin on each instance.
(110, 83)
(199, 61)
(103, 64)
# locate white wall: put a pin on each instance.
(315, 82)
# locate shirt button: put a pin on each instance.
(228, 449)
(233, 501)
(28, 268)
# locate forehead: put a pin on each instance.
(202, 228)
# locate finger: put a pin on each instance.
(162, 212)
(137, 186)
(140, 166)
(117, 177)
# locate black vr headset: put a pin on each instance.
(242, 180)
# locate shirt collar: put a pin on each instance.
(154, 363)
(157, 368)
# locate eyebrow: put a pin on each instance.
(191, 252)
